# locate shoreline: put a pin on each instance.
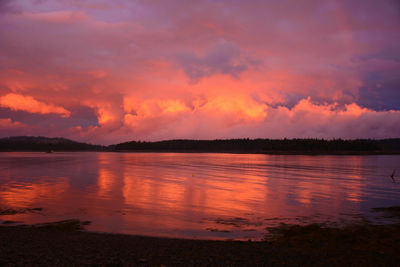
(283, 153)
(278, 153)
(293, 245)
(294, 146)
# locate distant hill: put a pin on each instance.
(269, 146)
(264, 146)
(39, 143)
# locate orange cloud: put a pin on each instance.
(242, 108)
(104, 116)
(29, 104)
(240, 117)
(153, 107)
(251, 72)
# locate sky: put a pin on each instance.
(111, 71)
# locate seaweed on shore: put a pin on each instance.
(11, 222)
(236, 222)
(66, 225)
(364, 236)
(218, 230)
(389, 212)
(10, 211)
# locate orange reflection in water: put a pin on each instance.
(179, 198)
(354, 186)
(169, 191)
(105, 182)
(329, 179)
(29, 194)
(181, 195)
(237, 196)
(157, 199)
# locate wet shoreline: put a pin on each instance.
(66, 243)
(292, 245)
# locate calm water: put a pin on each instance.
(214, 196)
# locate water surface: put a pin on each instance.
(195, 195)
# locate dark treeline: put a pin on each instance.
(285, 146)
(31, 143)
(268, 146)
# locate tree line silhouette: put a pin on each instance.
(39, 143)
(287, 146)
(245, 145)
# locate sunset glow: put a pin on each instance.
(112, 71)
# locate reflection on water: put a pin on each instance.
(194, 195)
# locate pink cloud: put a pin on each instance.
(29, 104)
(222, 119)
(218, 70)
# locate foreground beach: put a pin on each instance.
(312, 245)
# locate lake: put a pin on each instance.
(196, 195)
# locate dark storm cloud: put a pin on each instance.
(80, 116)
(7, 6)
(224, 58)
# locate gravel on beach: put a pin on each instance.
(297, 247)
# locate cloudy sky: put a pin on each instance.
(112, 71)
